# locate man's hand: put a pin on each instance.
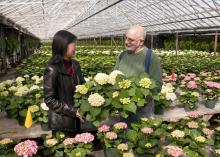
(79, 116)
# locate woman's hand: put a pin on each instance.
(79, 116)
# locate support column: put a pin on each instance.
(216, 42)
(152, 41)
(3, 50)
(177, 42)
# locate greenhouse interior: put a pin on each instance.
(109, 78)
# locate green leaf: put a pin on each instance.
(23, 113)
(95, 111)
(132, 135)
(146, 92)
(124, 114)
(141, 103)
(105, 113)
(116, 104)
(135, 126)
(144, 75)
(132, 92)
(156, 97)
(12, 106)
(124, 94)
(96, 123)
(59, 153)
(204, 152)
(160, 132)
(194, 133)
(77, 95)
(139, 93)
(130, 107)
(85, 106)
(190, 153)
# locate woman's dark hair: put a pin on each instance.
(59, 45)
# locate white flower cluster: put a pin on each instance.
(51, 142)
(8, 82)
(37, 79)
(2, 87)
(96, 100)
(145, 83)
(34, 88)
(23, 90)
(113, 75)
(34, 108)
(168, 91)
(19, 80)
(44, 106)
(81, 89)
(12, 89)
(101, 78)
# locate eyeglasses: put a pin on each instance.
(131, 40)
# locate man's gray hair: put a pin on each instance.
(140, 31)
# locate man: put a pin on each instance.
(133, 62)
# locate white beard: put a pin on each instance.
(128, 48)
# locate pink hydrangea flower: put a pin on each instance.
(213, 84)
(193, 125)
(164, 74)
(69, 141)
(177, 134)
(175, 151)
(104, 128)
(26, 148)
(194, 114)
(84, 138)
(191, 75)
(191, 85)
(120, 125)
(187, 78)
(209, 90)
(111, 135)
(147, 130)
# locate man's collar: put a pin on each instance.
(140, 50)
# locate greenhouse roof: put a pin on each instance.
(94, 18)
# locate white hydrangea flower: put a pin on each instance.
(125, 101)
(81, 89)
(34, 108)
(86, 79)
(13, 89)
(145, 83)
(113, 75)
(171, 96)
(96, 100)
(8, 82)
(23, 90)
(101, 78)
(167, 88)
(2, 87)
(4, 94)
(44, 107)
(34, 87)
(26, 76)
(19, 79)
(196, 94)
(38, 81)
(51, 142)
(6, 141)
(35, 77)
(115, 94)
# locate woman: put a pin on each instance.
(60, 79)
